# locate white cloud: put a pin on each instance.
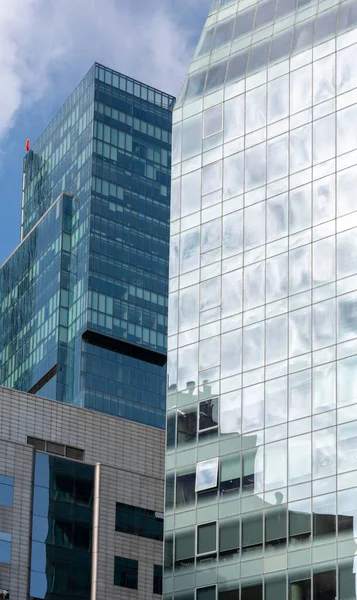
(46, 43)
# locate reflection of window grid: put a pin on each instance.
(208, 415)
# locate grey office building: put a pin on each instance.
(261, 481)
(81, 502)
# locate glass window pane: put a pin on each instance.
(237, 67)
(324, 199)
(326, 25)
(234, 118)
(299, 459)
(223, 34)
(300, 148)
(206, 538)
(244, 23)
(300, 269)
(256, 108)
(206, 474)
(230, 412)
(232, 293)
(233, 175)
(185, 491)
(253, 348)
(347, 584)
(212, 120)
(348, 16)
(347, 322)
(324, 138)
(254, 225)
(303, 36)
(280, 45)
(300, 395)
(208, 414)
(252, 531)
(276, 395)
(324, 583)
(347, 129)
(254, 285)
(265, 13)
(276, 339)
(185, 546)
(253, 408)
(192, 136)
(231, 353)
(6, 494)
(300, 331)
(205, 44)
(229, 536)
(191, 193)
(211, 177)
(275, 587)
(276, 466)
(5, 551)
(277, 277)
(258, 57)
(195, 85)
(190, 250)
(278, 99)
(300, 208)
(186, 425)
(208, 593)
(216, 76)
(347, 381)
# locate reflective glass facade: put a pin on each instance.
(261, 432)
(61, 529)
(102, 342)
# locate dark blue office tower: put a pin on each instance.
(83, 299)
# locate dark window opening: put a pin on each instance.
(252, 592)
(126, 573)
(186, 426)
(54, 448)
(207, 593)
(157, 584)
(208, 415)
(185, 489)
(139, 521)
(325, 585)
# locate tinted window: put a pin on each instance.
(139, 521)
(157, 584)
(126, 573)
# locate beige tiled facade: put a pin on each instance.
(129, 459)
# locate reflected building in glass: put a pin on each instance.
(261, 466)
(83, 299)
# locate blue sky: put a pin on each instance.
(47, 46)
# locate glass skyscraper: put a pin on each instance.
(83, 299)
(261, 479)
